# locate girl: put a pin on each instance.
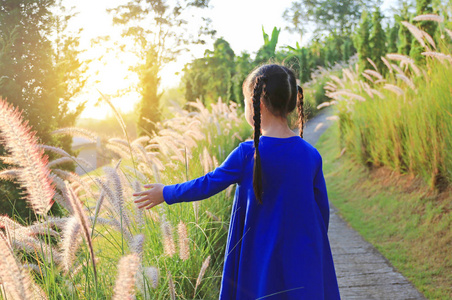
(277, 246)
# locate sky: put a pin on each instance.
(239, 22)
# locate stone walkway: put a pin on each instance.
(362, 272)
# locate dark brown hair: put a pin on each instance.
(276, 86)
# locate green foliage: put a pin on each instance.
(211, 76)
(326, 15)
(267, 51)
(405, 36)
(363, 41)
(377, 40)
(297, 58)
(392, 37)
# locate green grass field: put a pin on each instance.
(399, 214)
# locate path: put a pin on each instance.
(362, 272)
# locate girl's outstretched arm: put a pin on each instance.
(151, 197)
(230, 171)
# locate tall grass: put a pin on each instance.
(167, 252)
(404, 120)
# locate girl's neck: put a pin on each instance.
(273, 126)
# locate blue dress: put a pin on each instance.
(280, 249)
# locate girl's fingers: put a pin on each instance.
(145, 204)
(141, 200)
(149, 185)
(152, 205)
(139, 193)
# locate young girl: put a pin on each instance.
(277, 246)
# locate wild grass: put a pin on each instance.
(403, 120)
(104, 246)
(398, 214)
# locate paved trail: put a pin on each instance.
(362, 272)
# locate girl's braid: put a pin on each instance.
(300, 109)
(258, 92)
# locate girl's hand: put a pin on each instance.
(151, 197)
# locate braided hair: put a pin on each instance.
(300, 108)
(275, 86)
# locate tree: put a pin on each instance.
(392, 37)
(38, 76)
(268, 50)
(158, 30)
(211, 76)
(300, 57)
(363, 41)
(326, 15)
(405, 36)
(377, 40)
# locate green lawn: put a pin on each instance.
(408, 223)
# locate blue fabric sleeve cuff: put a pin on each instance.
(168, 194)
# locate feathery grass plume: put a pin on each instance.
(184, 247)
(16, 282)
(70, 243)
(429, 17)
(400, 57)
(152, 274)
(333, 118)
(139, 214)
(372, 63)
(83, 220)
(206, 161)
(10, 174)
(407, 81)
(125, 282)
(416, 32)
(137, 244)
(62, 200)
(171, 288)
(140, 140)
(196, 205)
(337, 80)
(118, 197)
(346, 93)
(387, 64)
(379, 94)
(118, 150)
(169, 248)
(21, 142)
(55, 150)
(367, 77)
(438, 55)
(204, 267)
(79, 161)
(394, 88)
(429, 39)
(74, 131)
(7, 160)
(32, 230)
(374, 73)
(449, 32)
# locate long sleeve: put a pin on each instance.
(208, 185)
(321, 195)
